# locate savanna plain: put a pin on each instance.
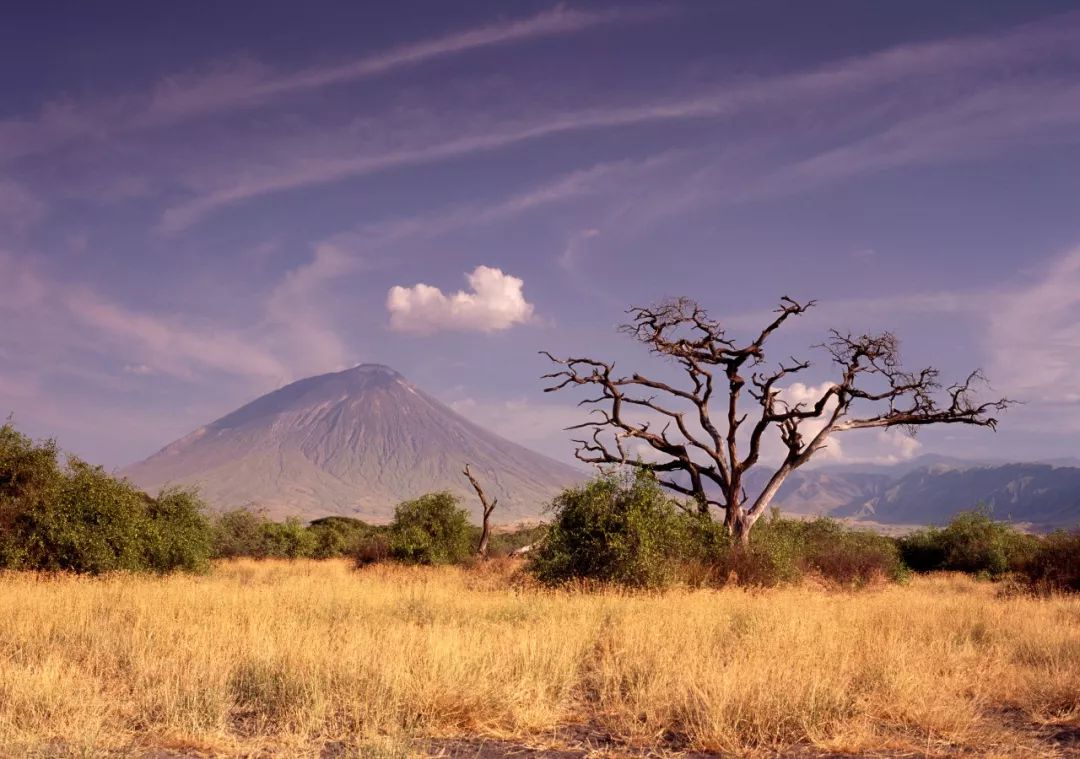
(316, 658)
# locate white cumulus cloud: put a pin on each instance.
(494, 302)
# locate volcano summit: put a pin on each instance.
(353, 443)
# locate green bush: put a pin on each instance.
(771, 558)
(79, 518)
(30, 480)
(786, 550)
(94, 524)
(972, 542)
(289, 539)
(1055, 565)
(923, 550)
(243, 533)
(848, 556)
(619, 528)
(338, 536)
(372, 549)
(239, 533)
(433, 529)
(180, 536)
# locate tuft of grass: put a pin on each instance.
(297, 658)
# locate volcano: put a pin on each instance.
(351, 443)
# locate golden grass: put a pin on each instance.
(293, 657)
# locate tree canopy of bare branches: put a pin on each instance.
(701, 438)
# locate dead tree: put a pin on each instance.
(700, 456)
(488, 506)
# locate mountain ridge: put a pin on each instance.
(1043, 496)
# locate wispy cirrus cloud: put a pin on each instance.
(20, 209)
(986, 122)
(1034, 334)
(77, 363)
(56, 318)
(296, 321)
(114, 170)
(597, 181)
(946, 86)
(246, 83)
(1028, 331)
(170, 344)
(249, 85)
(977, 124)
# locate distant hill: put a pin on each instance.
(1043, 496)
(352, 443)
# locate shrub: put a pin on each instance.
(621, 528)
(79, 518)
(95, 523)
(372, 549)
(923, 550)
(972, 542)
(338, 536)
(30, 480)
(239, 533)
(1055, 565)
(770, 559)
(848, 556)
(618, 528)
(250, 534)
(433, 529)
(290, 539)
(180, 537)
(786, 550)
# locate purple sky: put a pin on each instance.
(200, 202)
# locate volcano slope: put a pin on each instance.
(353, 443)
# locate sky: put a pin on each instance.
(201, 202)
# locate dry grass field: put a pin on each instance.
(308, 658)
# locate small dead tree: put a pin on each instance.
(699, 456)
(488, 506)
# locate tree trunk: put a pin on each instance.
(741, 531)
(485, 535)
(736, 521)
(748, 518)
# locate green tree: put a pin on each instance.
(432, 529)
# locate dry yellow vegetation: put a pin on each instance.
(295, 657)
